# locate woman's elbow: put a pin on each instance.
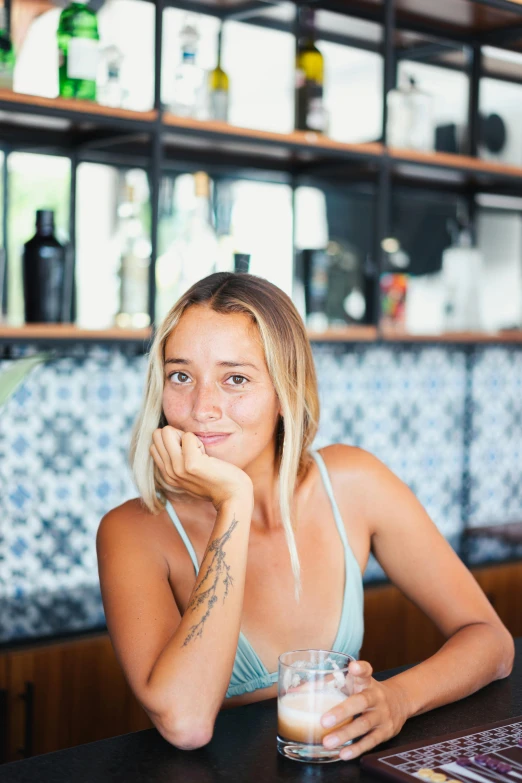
(186, 733)
(507, 657)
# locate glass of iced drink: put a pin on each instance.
(311, 682)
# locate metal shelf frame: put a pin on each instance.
(125, 140)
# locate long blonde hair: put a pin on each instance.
(290, 364)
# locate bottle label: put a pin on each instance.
(310, 111)
(82, 59)
(219, 105)
(300, 78)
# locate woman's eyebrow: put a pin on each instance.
(238, 363)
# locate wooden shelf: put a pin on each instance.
(507, 336)
(459, 20)
(356, 334)
(21, 101)
(247, 146)
(462, 164)
(350, 334)
(69, 332)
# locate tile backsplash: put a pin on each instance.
(446, 419)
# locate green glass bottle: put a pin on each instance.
(7, 56)
(78, 49)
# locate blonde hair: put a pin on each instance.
(290, 364)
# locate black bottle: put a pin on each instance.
(44, 268)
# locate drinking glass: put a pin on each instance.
(311, 682)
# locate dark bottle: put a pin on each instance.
(241, 262)
(44, 266)
(310, 112)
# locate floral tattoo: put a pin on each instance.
(217, 570)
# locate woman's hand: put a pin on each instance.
(382, 708)
(183, 464)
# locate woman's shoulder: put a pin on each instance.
(130, 520)
(356, 474)
(345, 462)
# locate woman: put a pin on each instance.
(245, 543)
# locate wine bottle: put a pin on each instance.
(218, 89)
(78, 49)
(7, 56)
(44, 273)
(310, 113)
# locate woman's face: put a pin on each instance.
(216, 381)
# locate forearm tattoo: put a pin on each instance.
(216, 571)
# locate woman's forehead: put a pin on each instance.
(203, 331)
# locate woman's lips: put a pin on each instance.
(209, 440)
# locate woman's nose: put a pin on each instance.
(206, 403)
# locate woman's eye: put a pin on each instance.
(235, 377)
(178, 373)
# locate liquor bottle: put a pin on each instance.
(310, 112)
(111, 92)
(134, 264)
(199, 247)
(188, 93)
(44, 274)
(78, 48)
(218, 89)
(7, 56)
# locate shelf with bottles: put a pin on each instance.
(23, 108)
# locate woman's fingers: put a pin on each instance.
(171, 442)
(348, 708)
(163, 457)
(361, 671)
(356, 728)
(165, 476)
(191, 449)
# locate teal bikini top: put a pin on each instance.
(249, 673)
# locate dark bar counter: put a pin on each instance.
(243, 748)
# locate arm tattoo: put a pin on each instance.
(217, 570)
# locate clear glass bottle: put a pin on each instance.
(310, 113)
(7, 55)
(78, 48)
(218, 86)
(135, 263)
(410, 121)
(112, 92)
(188, 92)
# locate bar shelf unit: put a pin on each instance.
(158, 140)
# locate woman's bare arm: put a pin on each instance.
(178, 667)
(420, 562)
